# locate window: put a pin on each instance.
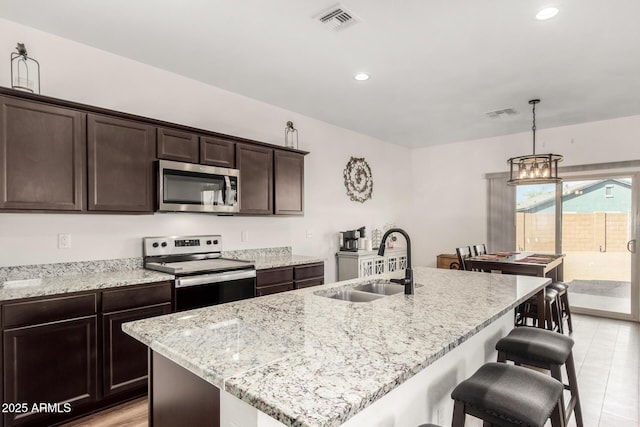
(608, 191)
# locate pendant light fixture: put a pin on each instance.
(534, 168)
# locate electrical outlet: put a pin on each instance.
(309, 233)
(244, 236)
(64, 241)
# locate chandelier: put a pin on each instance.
(534, 168)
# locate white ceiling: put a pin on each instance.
(437, 66)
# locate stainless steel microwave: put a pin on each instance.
(187, 187)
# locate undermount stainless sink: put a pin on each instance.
(354, 296)
(382, 288)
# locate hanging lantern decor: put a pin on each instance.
(25, 71)
(290, 136)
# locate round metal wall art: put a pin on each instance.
(358, 179)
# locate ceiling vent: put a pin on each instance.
(501, 113)
(337, 18)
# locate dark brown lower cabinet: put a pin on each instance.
(125, 364)
(68, 352)
(307, 275)
(274, 280)
(281, 279)
(53, 363)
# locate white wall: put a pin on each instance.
(80, 73)
(451, 192)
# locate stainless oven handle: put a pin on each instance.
(183, 282)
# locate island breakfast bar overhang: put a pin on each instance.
(302, 359)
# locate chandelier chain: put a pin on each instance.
(533, 128)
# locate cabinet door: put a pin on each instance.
(50, 363)
(121, 155)
(178, 146)
(125, 358)
(256, 178)
(217, 152)
(42, 156)
(289, 183)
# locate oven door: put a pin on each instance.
(214, 288)
(187, 187)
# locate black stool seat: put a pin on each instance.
(537, 344)
(511, 393)
(558, 286)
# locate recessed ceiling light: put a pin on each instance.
(361, 76)
(546, 13)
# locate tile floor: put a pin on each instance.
(607, 356)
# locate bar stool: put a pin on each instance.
(547, 350)
(508, 395)
(563, 295)
(529, 310)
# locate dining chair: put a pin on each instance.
(480, 249)
(463, 253)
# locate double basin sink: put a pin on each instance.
(366, 292)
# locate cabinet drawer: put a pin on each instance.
(274, 289)
(309, 282)
(274, 276)
(48, 310)
(138, 296)
(309, 271)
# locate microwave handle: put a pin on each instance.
(227, 188)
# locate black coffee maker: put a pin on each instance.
(350, 240)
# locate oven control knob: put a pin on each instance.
(155, 244)
(208, 242)
(215, 242)
(164, 244)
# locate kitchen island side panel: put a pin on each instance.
(179, 398)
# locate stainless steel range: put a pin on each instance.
(203, 277)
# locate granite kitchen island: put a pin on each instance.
(300, 358)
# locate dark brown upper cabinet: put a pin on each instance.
(256, 178)
(42, 160)
(288, 183)
(178, 146)
(217, 152)
(120, 164)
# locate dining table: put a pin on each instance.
(523, 263)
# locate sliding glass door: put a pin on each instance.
(592, 220)
(598, 240)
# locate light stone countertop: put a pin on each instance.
(55, 285)
(308, 360)
(264, 262)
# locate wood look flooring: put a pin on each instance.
(130, 414)
(607, 356)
